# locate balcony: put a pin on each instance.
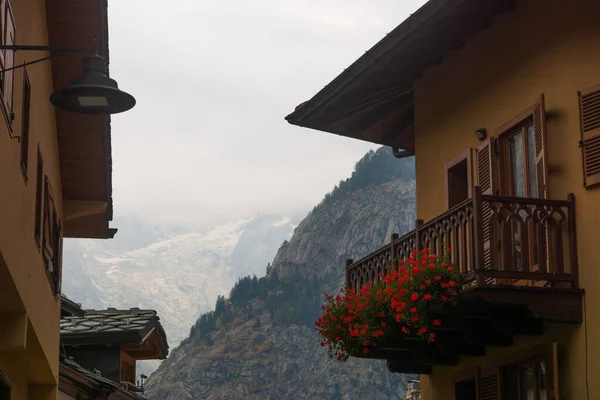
(518, 262)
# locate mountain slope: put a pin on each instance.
(177, 271)
(261, 342)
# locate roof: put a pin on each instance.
(84, 140)
(97, 327)
(373, 98)
(74, 377)
(69, 308)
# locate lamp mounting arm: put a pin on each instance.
(71, 49)
(61, 49)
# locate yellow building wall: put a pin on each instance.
(22, 262)
(553, 49)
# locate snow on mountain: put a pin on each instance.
(177, 271)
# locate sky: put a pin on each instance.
(213, 82)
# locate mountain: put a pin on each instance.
(177, 270)
(260, 342)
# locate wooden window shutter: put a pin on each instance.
(2, 17)
(9, 59)
(589, 109)
(39, 196)
(56, 272)
(551, 373)
(48, 228)
(489, 385)
(486, 167)
(486, 162)
(541, 165)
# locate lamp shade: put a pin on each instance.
(94, 92)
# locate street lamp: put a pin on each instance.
(92, 93)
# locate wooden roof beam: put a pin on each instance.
(74, 209)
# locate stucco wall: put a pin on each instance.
(17, 206)
(550, 49)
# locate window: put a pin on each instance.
(519, 162)
(530, 380)
(39, 193)
(25, 125)
(465, 386)
(532, 376)
(52, 239)
(589, 109)
(458, 179)
(513, 163)
(489, 385)
(522, 154)
(7, 59)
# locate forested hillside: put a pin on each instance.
(260, 340)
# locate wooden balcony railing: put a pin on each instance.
(495, 240)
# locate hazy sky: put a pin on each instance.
(213, 81)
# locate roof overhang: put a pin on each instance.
(84, 140)
(373, 100)
(148, 343)
(80, 383)
(69, 308)
(150, 348)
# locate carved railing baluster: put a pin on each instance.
(526, 242)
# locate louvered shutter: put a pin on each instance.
(3, 6)
(541, 166)
(589, 109)
(489, 385)
(57, 261)
(551, 376)
(486, 180)
(48, 229)
(9, 59)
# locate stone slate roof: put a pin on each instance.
(69, 308)
(111, 325)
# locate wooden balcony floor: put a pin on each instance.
(484, 317)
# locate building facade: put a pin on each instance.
(100, 350)
(55, 175)
(500, 105)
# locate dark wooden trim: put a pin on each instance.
(520, 275)
(555, 369)
(526, 200)
(573, 241)
(518, 119)
(7, 99)
(477, 239)
(408, 367)
(39, 200)
(25, 125)
(590, 90)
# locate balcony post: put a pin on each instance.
(573, 241)
(478, 256)
(418, 223)
(349, 262)
(395, 237)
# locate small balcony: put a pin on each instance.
(518, 262)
